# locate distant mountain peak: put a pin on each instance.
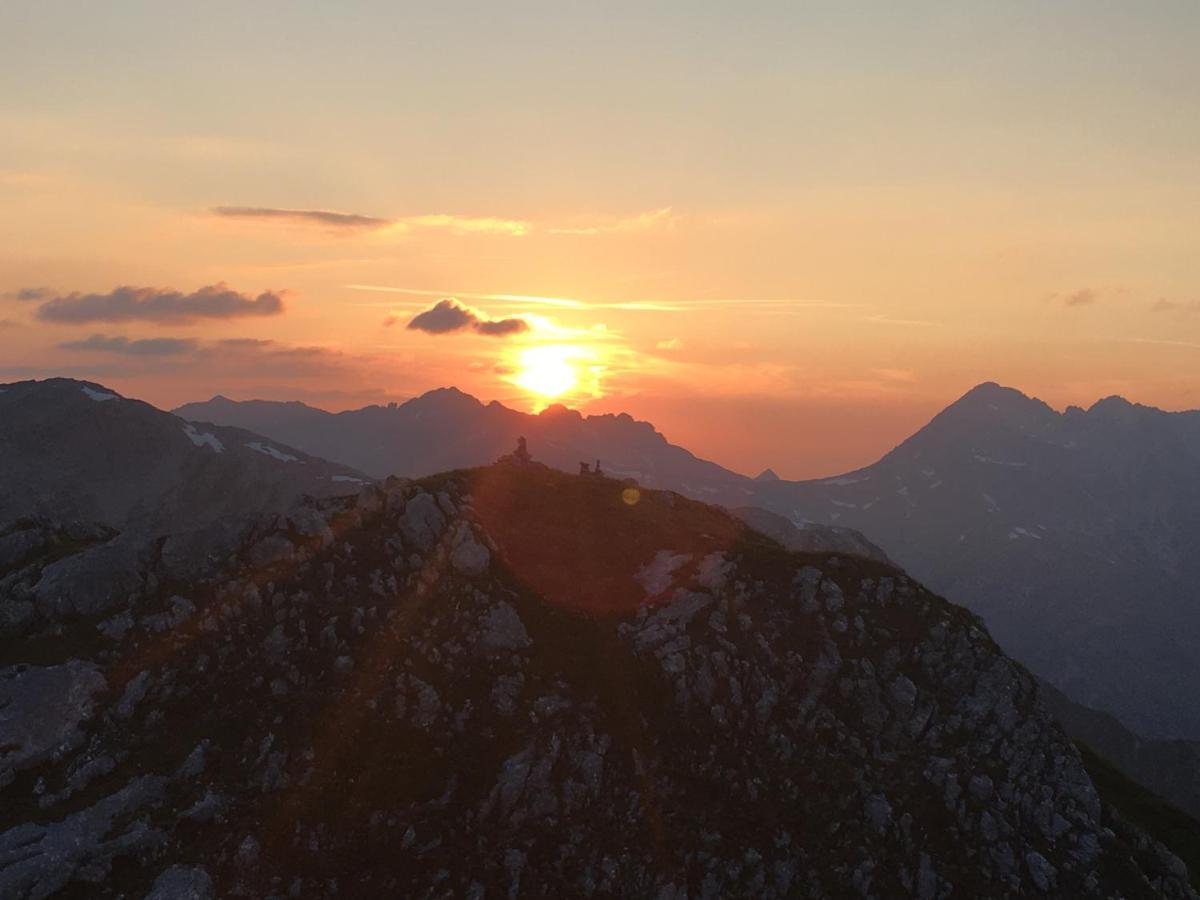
(559, 411)
(446, 396)
(767, 475)
(1114, 403)
(989, 392)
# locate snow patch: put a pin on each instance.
(205, 439)
(346, 478)
(999, 462)
(843, 480)
(843, 504)
(272, 452)
(1019, 532)
(99, 396)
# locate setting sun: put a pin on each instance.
(549, 371)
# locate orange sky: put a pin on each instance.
(787, 237)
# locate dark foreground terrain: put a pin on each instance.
(507, 682)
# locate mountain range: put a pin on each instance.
(1075, 534)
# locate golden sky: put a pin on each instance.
(787, 236)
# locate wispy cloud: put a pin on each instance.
(352, 223)
(1164, 305)
(1082, 297)
(99, 343)
(28, 294)
(464, 225)
(324, 217)
(744, 304)
(655, 218)
(449, 316)
(125, 303)
(356, 222)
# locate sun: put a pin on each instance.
(548, 371)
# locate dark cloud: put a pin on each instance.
(502, 327)
(124, 304)
(1164, 305)
(444, 317)
(1083, 297)
(448, 316)
(32, 293)
(120, 344)
(316, 216)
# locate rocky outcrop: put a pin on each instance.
(373, 710)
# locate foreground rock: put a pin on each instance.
(511, 682)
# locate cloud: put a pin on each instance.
(144, 347)
(448, 316)
(1082, 297)
(27, 294)
(465, 224)
(125, 304)
(324, 217)
(356, 222)
(9, 323)
(504, 226)
(670, 344)
(655, 218)
(1164, 305)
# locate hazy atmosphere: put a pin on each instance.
(757, 217)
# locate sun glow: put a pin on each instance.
(549, 371)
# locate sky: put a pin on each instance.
(785, 233)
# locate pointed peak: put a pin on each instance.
(767, 475)
(991, 392)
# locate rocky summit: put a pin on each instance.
(513, 682)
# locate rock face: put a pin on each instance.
(379, 712)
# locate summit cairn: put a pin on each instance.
(520, 456)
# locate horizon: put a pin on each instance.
(790, 226)
(780, 469)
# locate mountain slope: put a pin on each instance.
(93, 482)
(1075, 535)
(412, 697)
(1170, 768)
